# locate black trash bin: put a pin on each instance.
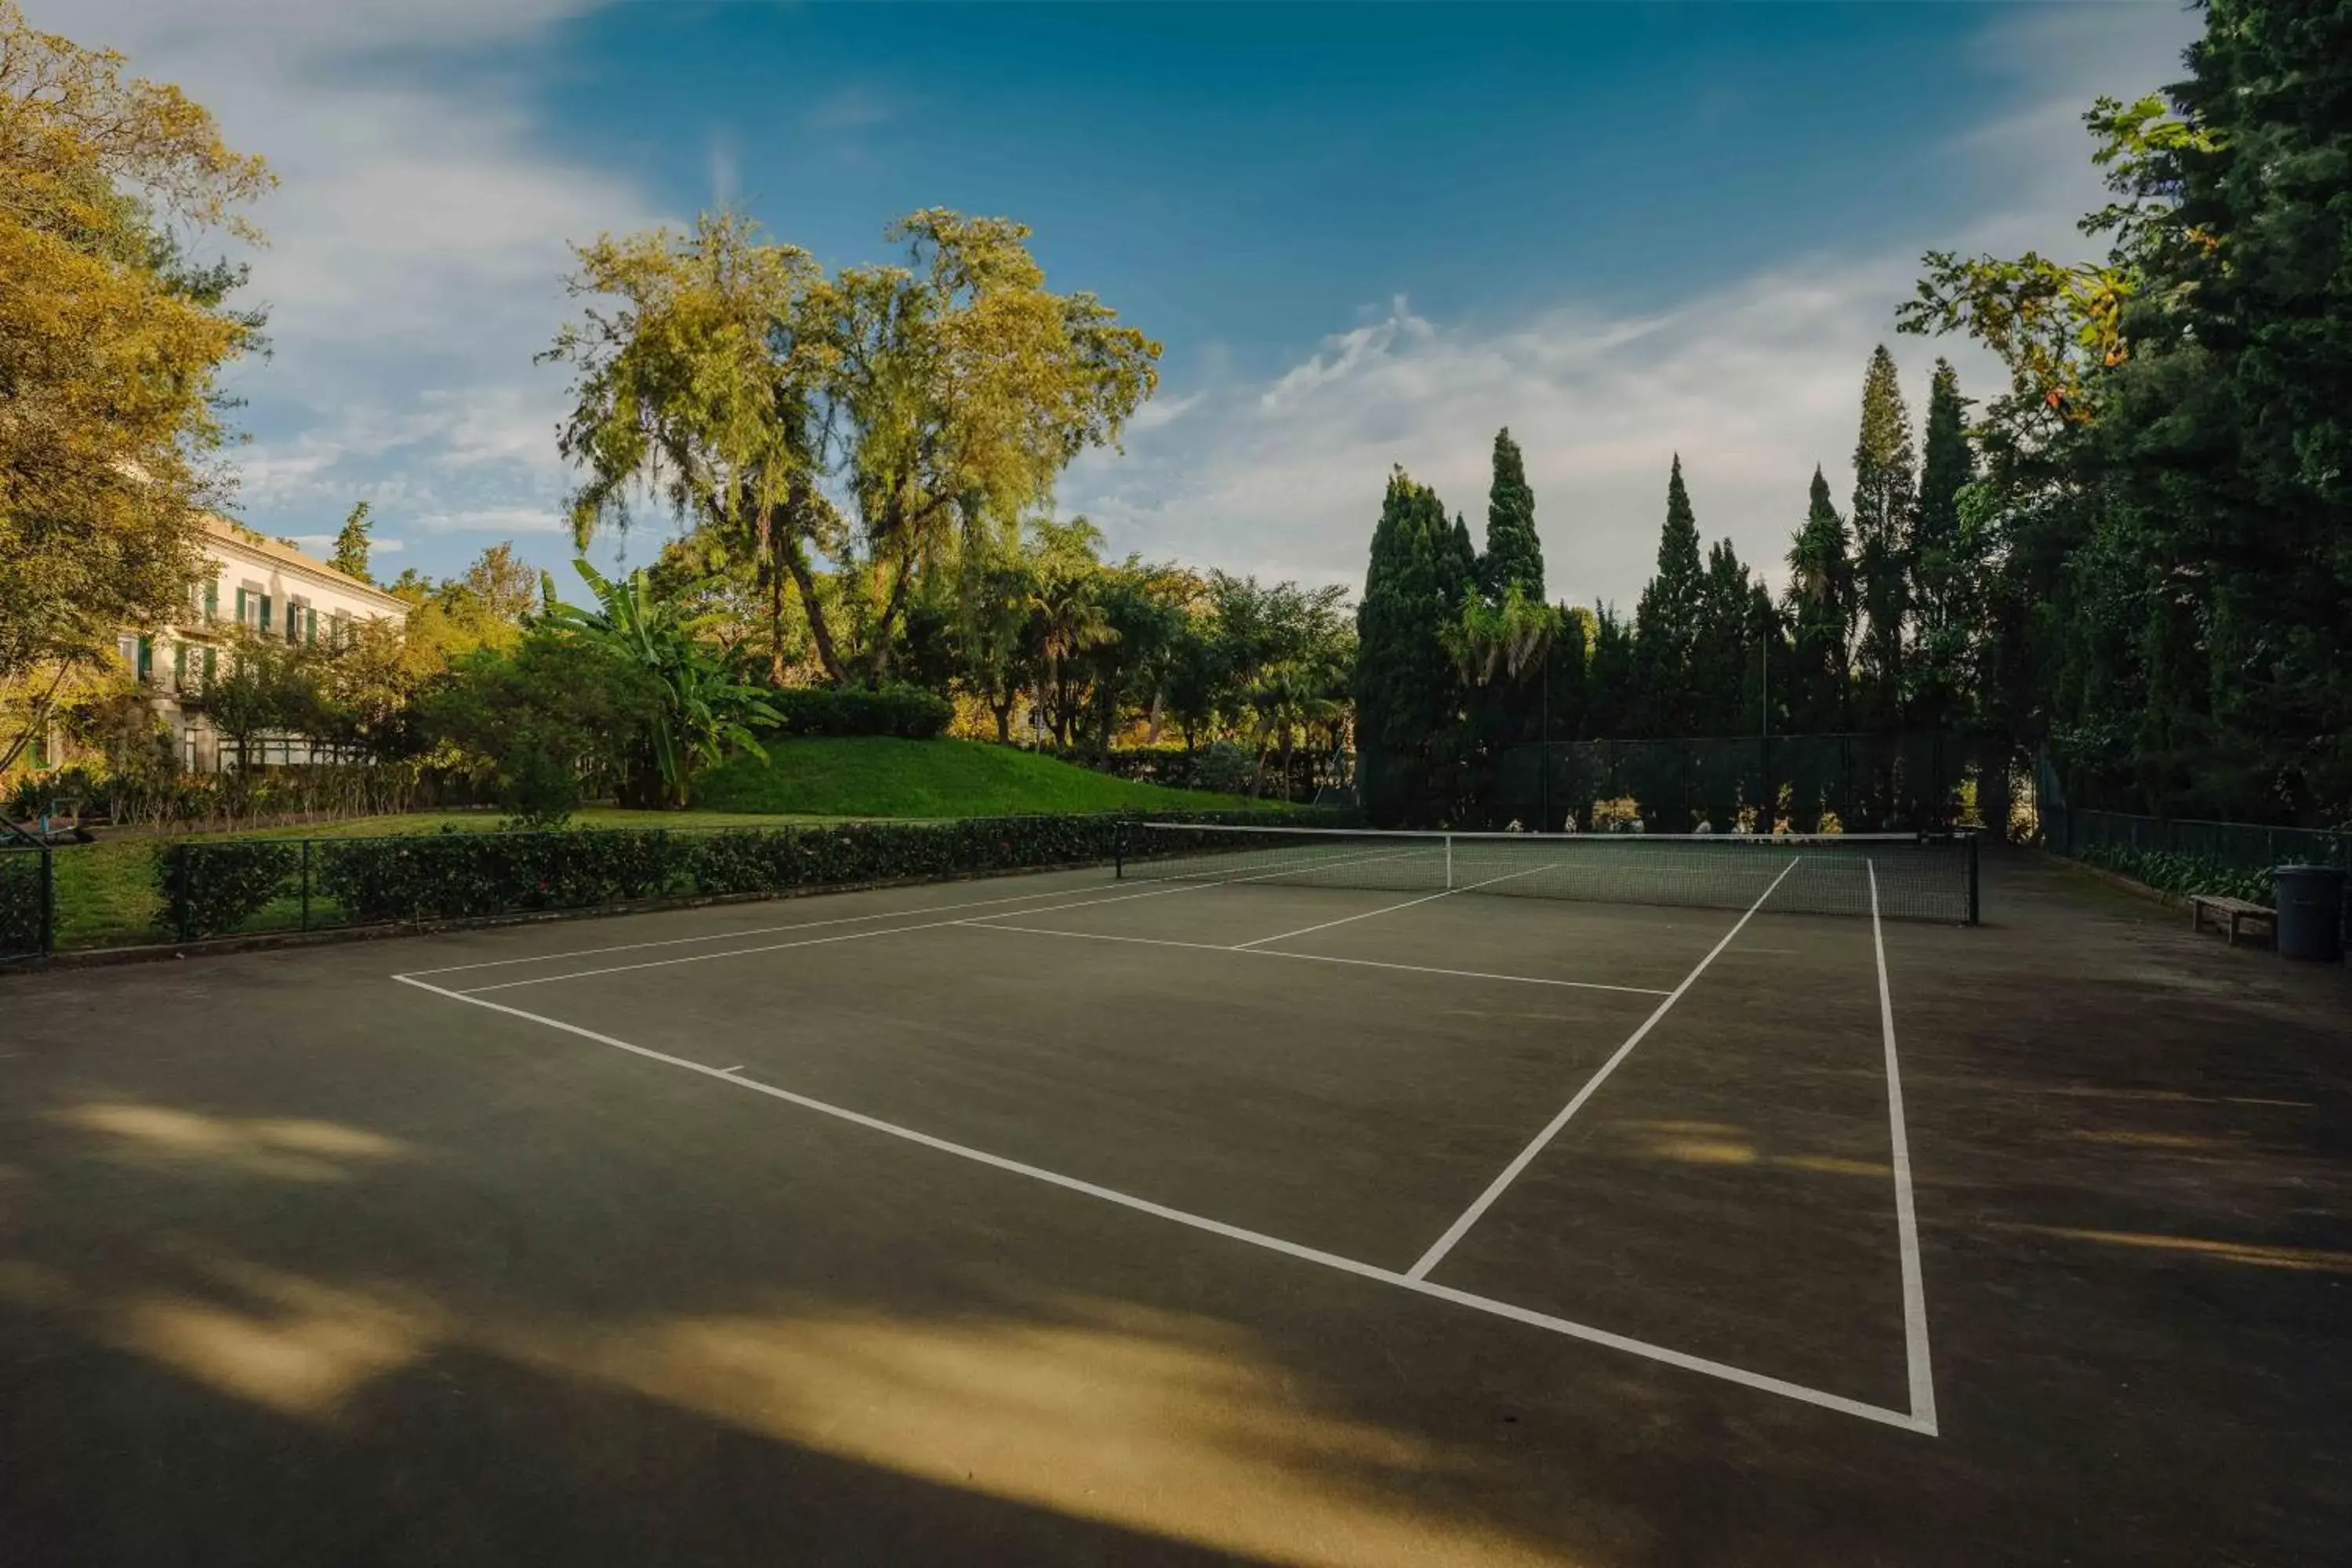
(2310, 901)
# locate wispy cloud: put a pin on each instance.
(848, 107)
(1753, 384)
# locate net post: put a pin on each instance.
(1449, 862)
(1973, 907)
(1119, 850)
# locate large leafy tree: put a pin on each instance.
(110, 344)
(2165, 503)
(1886, 500)
(350, 556)
(939, 399)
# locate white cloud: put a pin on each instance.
(418, 242)
(496, 520)
(1752, 383)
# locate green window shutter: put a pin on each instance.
(265, 612)
(212, 600)
(212, 657)
(146, 659)
(240, 606)
(179, 663)
(310, 627)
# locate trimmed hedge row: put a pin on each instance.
(906, 711)
(20, 901)
(215, 887)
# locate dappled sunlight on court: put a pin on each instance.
(295, 1346)
(287, 1149)
(2301, 1260)
(1720, 1143)
(1138, 1418)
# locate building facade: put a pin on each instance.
(270, 590)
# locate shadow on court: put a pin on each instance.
(298, 1264)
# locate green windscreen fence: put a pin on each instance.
(1858, 783)
(1898, 876)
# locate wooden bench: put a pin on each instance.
(2231, 915)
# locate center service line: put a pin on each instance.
(1388, 909)
(1485, 1200)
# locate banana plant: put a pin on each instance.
(706, 713)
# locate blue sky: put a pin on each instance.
(1365, 235)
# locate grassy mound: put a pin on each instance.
(877, 776)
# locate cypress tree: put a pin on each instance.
(1885, 502)
(351, 557)
(1941, 574)
(1513, 554)
(1821, 604)
(1666, 619)
(1407, 689)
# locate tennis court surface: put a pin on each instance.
(1344, 1199)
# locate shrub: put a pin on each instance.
(211, 888)
(459, 876)
(2171, 872)
(909, 712)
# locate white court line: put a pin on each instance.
(814, 941)
(1419, 1287)
(996, 922)
(1388, 909)
(1906, 1218)
(752, 930)
(1485, 1200)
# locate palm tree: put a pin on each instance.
(705, 711)
(1286, 700)
(1066, 617)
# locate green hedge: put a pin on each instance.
(909, 712)
(214, 885)
(20, 901)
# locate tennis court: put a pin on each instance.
(1334, 1047)
(1274, 1198)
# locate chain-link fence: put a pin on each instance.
(27, 897)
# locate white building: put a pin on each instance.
(272, 590)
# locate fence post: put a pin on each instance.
(1973, 904)
(1118, 850)
(183, 869)
(306, 884)
(48, 903)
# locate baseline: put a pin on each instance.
(1409, 1282)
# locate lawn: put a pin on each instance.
(877, 777)
(107, 895)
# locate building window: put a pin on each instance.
(126, 647)
(211, 599)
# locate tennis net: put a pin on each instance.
(1902, 876)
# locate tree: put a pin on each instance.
(1666, 620)
(1822, 607)
(351, 557)
(1513, 554)
(1066, 617)
(1885, 500)
(941, 399)
(545, 722)
(506, 589)
(110, 347)
(1945, 568)
(1408, 705)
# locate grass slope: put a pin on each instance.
(879, 776)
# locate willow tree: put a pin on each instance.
(110, 342)
(938, 400)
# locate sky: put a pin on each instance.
(1366, 236)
